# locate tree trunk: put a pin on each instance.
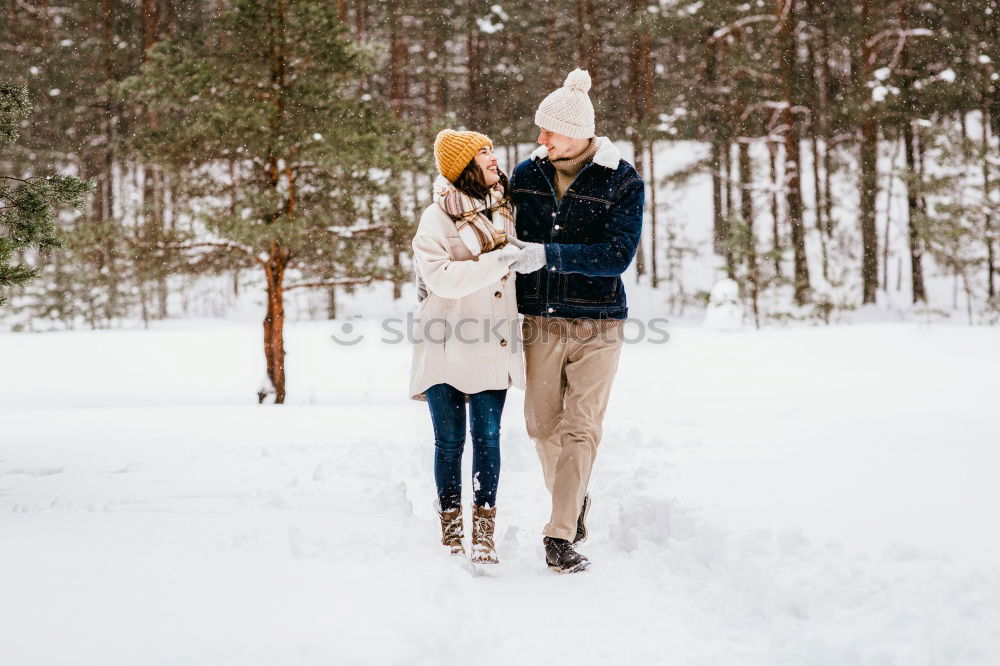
(869, 172)
(640, 253)
(472, 66)
(793, 159)
(654, 279)
(827, 187)
(638, 99)
(586, 34)
(987, 197)
(152, 175)
(397, 56)
(820, 226)
(729, 210)
(912, 184)
(646, 69)
(913, 212)
(919, 147)
(815, 112)
(772, 150)
(360, 19)
(869, 191)
(278, 255)
(106, 182)
(441, 79)
(719, 221)
(274, 326)
(150, 25)
(714, 123)
(397, 94)
(168, 17)
(826, 94)
(746, 212)
(888, 220)
(396, 246)
(726, 181)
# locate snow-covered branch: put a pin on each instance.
(329, 283)
(901, 34)
(350, 232)
(236, 247)
(901, 37)
(736, 26)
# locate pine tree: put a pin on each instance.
(28, 203)
(275, 98)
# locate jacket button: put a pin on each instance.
(557, 227)
(503, 343)
(552, 309)
(499, 294)
(553, 214)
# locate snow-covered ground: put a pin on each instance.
(802, 496)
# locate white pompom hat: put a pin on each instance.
(568, 110)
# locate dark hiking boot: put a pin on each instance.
(483, 524)
(561, 557)
(452, 531)
(581, 522)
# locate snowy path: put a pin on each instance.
(805, 497)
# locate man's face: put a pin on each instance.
(561, 146)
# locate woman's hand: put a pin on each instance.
(532, 258)
(508, 254)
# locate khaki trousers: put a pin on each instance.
(571, 365)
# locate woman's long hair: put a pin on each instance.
(471, 182)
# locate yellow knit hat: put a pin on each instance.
(454, 150)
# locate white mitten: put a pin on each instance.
(508, 254)
(532, 258)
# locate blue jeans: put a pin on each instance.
(447, 405)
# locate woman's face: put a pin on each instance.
(487, 162)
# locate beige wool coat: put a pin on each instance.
(468, 331)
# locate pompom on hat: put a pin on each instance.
(568, 110)
(453, 150)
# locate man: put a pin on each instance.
(579, 219)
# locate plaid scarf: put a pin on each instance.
(477, 231)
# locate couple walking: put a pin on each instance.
(578, 211)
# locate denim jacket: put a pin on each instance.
(590, 235)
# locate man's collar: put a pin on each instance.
(607, 154)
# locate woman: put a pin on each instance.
(466, 351)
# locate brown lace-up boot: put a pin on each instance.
(452, 531)
(483, 523)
